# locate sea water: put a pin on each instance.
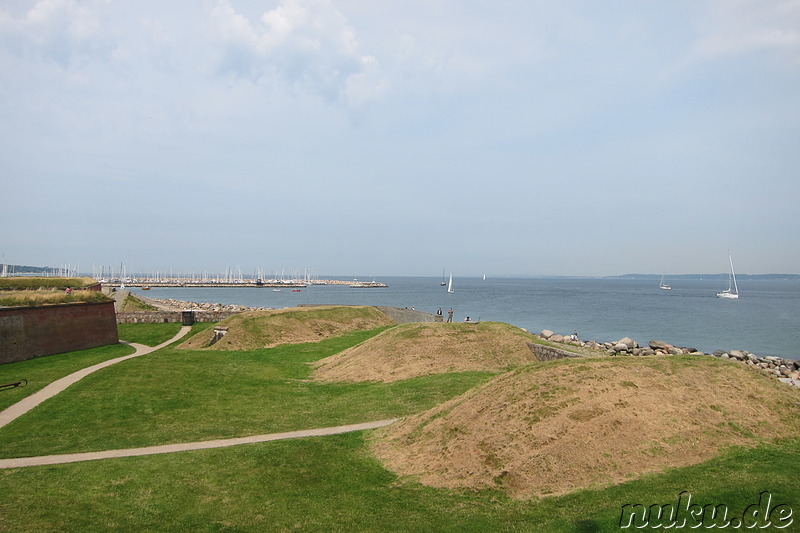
(765, 320)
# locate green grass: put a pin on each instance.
(44, 370)
(314, 484)
(181, 395)
(148, 334)
(333, 484)
(132, 303)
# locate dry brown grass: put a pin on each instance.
(552, 428)
(49, 297)
(253, 330)
(411, 350)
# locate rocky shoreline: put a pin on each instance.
(179, 305)
(787, 370)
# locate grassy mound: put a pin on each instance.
(553, 428)
(36, 298)
(33, 283)
(265, 329)
(412, 350)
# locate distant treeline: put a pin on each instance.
(792, 277)
(26, 269)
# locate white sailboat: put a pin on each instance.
(450, 283)
(443, 282)
(733, 290)
(663, 285)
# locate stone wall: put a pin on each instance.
(28, 332)
(548, 353)
(153, 317)
(406, 316)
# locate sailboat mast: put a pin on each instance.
(733, 277)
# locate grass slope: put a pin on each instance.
(412, 350)
(180, 395)
(266, 329)
(552, 428)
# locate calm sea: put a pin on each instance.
(764, 320)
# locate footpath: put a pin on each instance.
(26, 404)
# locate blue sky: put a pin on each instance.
(400, 138)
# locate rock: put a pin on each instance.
(647, 351)
(658, 345)
(737, 354)
(620, 347)
(627, 341)
(546, 334)
(719, 353)
(556, 338)
(673, 350)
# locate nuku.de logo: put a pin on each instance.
(685, 514)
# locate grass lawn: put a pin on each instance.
(332, 484)
(313, 484)
(148, 334)
(44, 370)
(180, 395)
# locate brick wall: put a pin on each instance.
(28, 332)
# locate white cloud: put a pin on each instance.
(306, 45)
(743, 26)
(57, 30)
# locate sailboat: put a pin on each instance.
(664, 286)
(443, 282)
(733, 290)
(450, 283)
(484, 277)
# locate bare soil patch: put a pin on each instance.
(421, 349)
(253, 330)
(552, 428)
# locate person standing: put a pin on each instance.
(450, 315)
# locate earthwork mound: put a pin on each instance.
(552, 428)
(252, 330)
(421, 349)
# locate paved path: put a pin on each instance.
(26, 404)
(185, 446)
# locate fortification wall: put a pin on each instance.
(28, 332)
(153, 317)
(548, 353)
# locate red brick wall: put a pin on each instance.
(28, 332)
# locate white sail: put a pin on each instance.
(450, 283)
(664, 286)
(733, 290)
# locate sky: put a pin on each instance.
(353, 137)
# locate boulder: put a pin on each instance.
(620, 347)
(546, 334)
(737, 354)
(647, 351)
(674, 350)
(627, 341)
(556, 338)
(658, 345)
